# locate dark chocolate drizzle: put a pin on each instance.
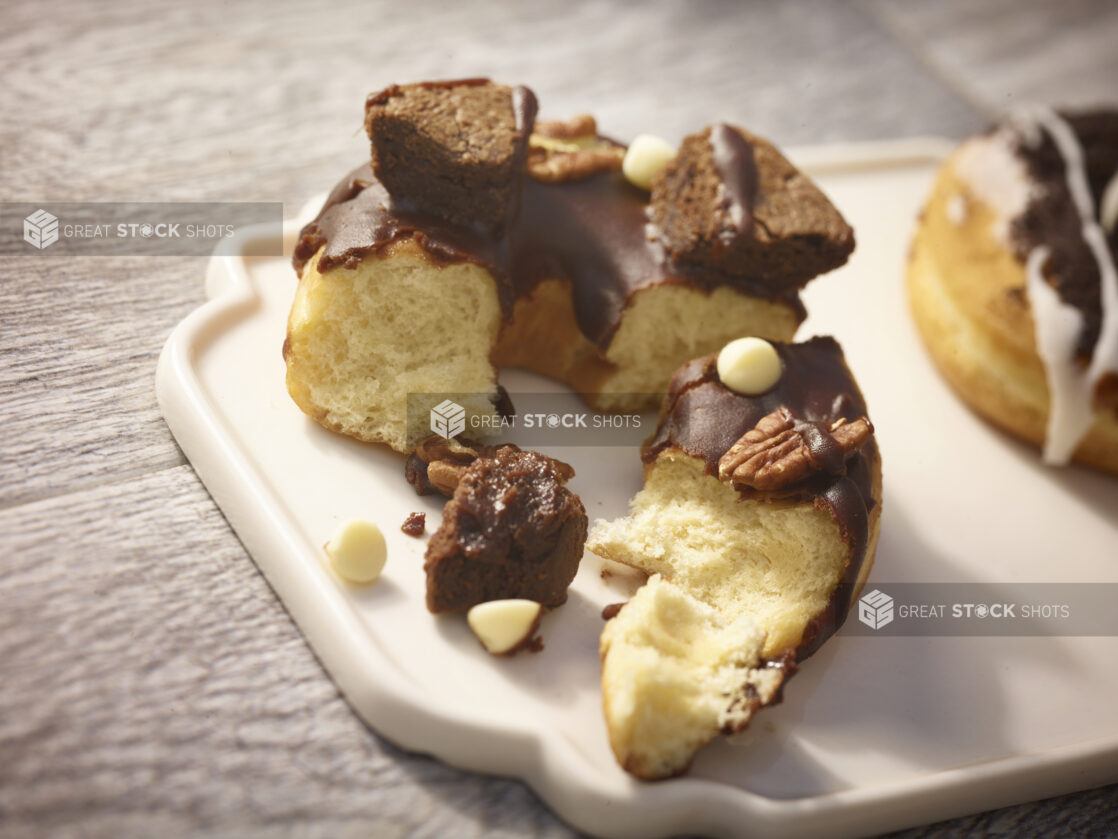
(1052, 220)
(823, 449)
(737, 170)
(592, 232)
(525, 106)
(704, 419)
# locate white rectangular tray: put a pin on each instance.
(874, 733)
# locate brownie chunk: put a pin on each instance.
(731, 202)
(510, 530)
(452, 149)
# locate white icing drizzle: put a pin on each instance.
(1108, 216)
(1057, 331)
(996, 176)
(1071, 389)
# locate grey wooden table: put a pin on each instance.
(150, 682)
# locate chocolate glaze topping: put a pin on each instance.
(704, 418)
(360, 218)
(1051, 218)
(593, 232)
(824, 450)
(733, 157)
(524, 108)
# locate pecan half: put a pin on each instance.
(782, 450)
(438, 464)
(576, 128)
(571, 151)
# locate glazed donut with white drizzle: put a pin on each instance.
(1012, 280)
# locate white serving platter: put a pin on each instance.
(874, 734)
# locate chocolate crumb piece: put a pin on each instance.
(503, 403)
(731, 202)
(511, 530)
(415, 473)
(453, 149)
(437, 463)
(610, 611)
(415, 524)
(535, 645)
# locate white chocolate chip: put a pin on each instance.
(749, 366)
(503, 626)
(357, 551)
(1108, 211)
(644, 158)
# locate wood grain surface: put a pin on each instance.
(151, 682)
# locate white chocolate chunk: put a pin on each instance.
(503, 626)
(749, 366)
(357, 551)
(644, 158)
